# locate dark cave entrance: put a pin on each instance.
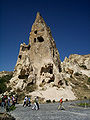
(40, 39)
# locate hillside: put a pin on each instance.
(76, 72)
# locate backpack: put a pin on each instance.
(61, 101)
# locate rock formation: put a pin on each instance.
(39, 71)
(38, 62)
(76, 73)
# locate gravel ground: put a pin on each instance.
(50, 112)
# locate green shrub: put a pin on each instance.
(84, 104)
(12, 107)
(3, 80)
(48, 101)
(3, 88)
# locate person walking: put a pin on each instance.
(24, 104)
(3, 102)
(60, 107)
(13, 100)
(29, 102)
(36, 104)
(9, 101)
(36, 101)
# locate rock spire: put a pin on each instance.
(38, 62)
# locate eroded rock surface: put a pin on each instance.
(76, 73)
(38, 62)
(39, 71)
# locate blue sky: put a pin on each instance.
(69, 21)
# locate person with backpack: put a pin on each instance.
(60, 107)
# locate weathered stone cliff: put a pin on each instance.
(38, 62)
(76, 73)
(39, 71)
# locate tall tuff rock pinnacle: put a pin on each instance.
(38, 68)
(39, 61)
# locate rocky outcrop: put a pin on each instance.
(76, 63)
(76, 73)
(38, 62)
(39, 71)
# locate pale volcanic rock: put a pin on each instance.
(54, 93)
(77, 63)
(39, 71)
(38, 62)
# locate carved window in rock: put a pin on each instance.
(20, 56)
(34, 39)
(60, 82)
(53, 52)
(28, 47)
(40, 39)
(51, 71)
(59, 67)
(35, 31)
(23, 48)
(46, 69)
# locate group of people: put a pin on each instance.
(27, 102)
(7, 101)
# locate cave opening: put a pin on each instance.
(28, 47)
(46, 69)
(51, 71)
(35, 31)
(20, 56)
(34, 39)
(23, 76)
(24, 48)
(40, 39)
